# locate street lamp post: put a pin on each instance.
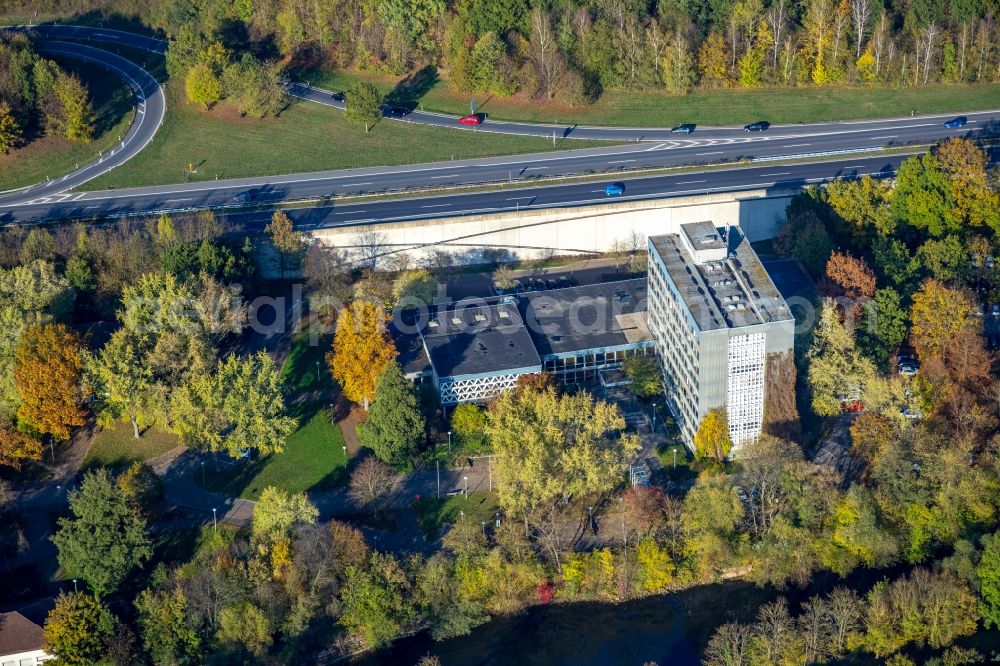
(590, 511)
(483, 523)
(215, 520)
(75, 589)
(437, 466)
(317, 372)
(449, 443)
(654, 417)
(202, 473)
(466, 486)
(675, 457)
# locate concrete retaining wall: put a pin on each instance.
(538, 234)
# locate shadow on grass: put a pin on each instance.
(410, 90)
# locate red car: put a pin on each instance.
(471, 119)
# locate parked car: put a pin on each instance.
(759, 126)
(996, 310)
(614, 189)
(955, 123)
(851, 406)
(551, 284)
(907, 364)
(686, 128)
(471, 119)
(338, 96)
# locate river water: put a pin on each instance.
(668, 629)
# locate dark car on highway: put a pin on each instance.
(395, 111)
(686, 128)
(758, 126)
(955, 123)
(338, 97)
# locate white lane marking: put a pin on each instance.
(436, 205)
(796, 145)
(621, 161)
(177, 200)
(519, 198)
(436, 177)
(534, 167)
(89, 207)
(351, 212)
(772, 175)
(689, 182)
(880, 138)
(353, 184)
(855, 166)
(656, 147)
(715, 152)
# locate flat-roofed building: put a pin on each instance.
(715, 317)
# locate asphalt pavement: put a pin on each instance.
(639, 148)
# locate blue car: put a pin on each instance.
(614, 189)
(955, 123)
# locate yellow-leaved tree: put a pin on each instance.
(712, 439)
(361, 351)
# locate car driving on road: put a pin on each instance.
(758, 126)
(955, 123)
(471, 119)
(614, 189)
(686, 128)
(395, 111)
(338, 97)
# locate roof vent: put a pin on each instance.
(480, 316)
(432, 324)
(504, 314)
(457, 321)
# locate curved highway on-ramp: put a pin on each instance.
(639, 148)
(151, 105)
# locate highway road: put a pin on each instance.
(151, 105)
(645, 148)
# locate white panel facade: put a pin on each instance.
(745, 387)
(479, 389)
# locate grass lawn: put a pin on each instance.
(51, 156)
(709, 107)
(685, 466)
(116, 448)
(301, 373)
(432, 513)
(313, 459)
(306, 137)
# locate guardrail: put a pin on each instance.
(825, 153)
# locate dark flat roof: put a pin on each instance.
(479, 339)
(610, 314)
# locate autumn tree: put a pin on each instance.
(940, 314)
(836, 369)
(644, 372)
(278, 514)
(105, 539)
(712, 441)
(78, 628)
(287, 243)
(75, 116)
(395, 425)
(361, 351)
(414, 288)
(10, 129)
(712, 61)
(852, 275)
(122, 381)
(203, 86)
(363, 105)
(48, 371)
(16, 447)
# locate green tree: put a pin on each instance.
(105, 539)
(75, 116)
(677, 69)
(553, 447)
(255, 87)
(883, 326)
(988, 575)
(203, 86)
(167, 626)
(121, 381)
(656, 567)
(712, 441)
(279, 513)
(837, 371)
(417, 287)
(440, 599)
(10, 129)
(237, 407)
(78, 628)
(141, 487)
(395, 425)
(246, 626)
(645, 375)
(712, 513)
(364, 105)
(468, 424)
(376, 600)
(805, 237)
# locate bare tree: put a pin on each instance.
(845, 614)
(926, 43)
(545, 56)
(815, 627)
(371, 482)
(861, 13)
(729, 646)
(777, 18)
(773, 630)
